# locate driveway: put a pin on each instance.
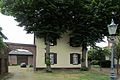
(17, 73)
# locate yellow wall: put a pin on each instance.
(62, 49)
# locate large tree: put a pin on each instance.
(86, 20)
(89, 20)
(83, 30)
(44, 18)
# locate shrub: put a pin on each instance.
(105, 63)
(95, 62)
(30, 65)
(84, 69)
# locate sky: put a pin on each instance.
(103, 44)
(16, 34)
(13, 32)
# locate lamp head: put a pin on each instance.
(112, 28)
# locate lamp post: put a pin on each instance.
(112, 30)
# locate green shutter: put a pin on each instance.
(55, 58)
(79, 55)
(71, 58)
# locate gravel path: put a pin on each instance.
(17, 73)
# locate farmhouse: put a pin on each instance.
(62, 55)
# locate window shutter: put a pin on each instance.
(55, 58)
(79, 58)
(71, 58)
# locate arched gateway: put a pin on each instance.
(29, 47)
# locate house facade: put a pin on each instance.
(62, 55)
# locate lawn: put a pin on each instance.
(17, 73)
(73, 75)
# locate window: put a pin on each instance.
(53, 58)
(74, 58)
(74, 42)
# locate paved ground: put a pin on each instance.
(119, 78)
(17, 73)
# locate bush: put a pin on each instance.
(84, 69)
(105, 63)
(30, 65)
(95, 62)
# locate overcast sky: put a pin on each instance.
(13, 32)
(17, 34)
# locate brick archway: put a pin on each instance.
(29, 47)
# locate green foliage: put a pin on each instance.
(98, 53)
(117, 48)
(30, 65)
(90, 21)
(44, 18)
(105, 63)
(117, 51)
(84, 69)
(47, 62)
(39, 17)
(85, 20)
(95, 62)
(2, 44)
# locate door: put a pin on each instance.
(22, 59)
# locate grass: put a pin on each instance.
(17, 73)
(95, 66)
(73, 75)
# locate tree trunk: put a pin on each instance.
(117, 66)
(48, 64)
(84, 50)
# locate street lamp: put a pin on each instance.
(112, 31)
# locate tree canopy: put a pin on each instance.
(85, 20)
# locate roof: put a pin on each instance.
(17, 52)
